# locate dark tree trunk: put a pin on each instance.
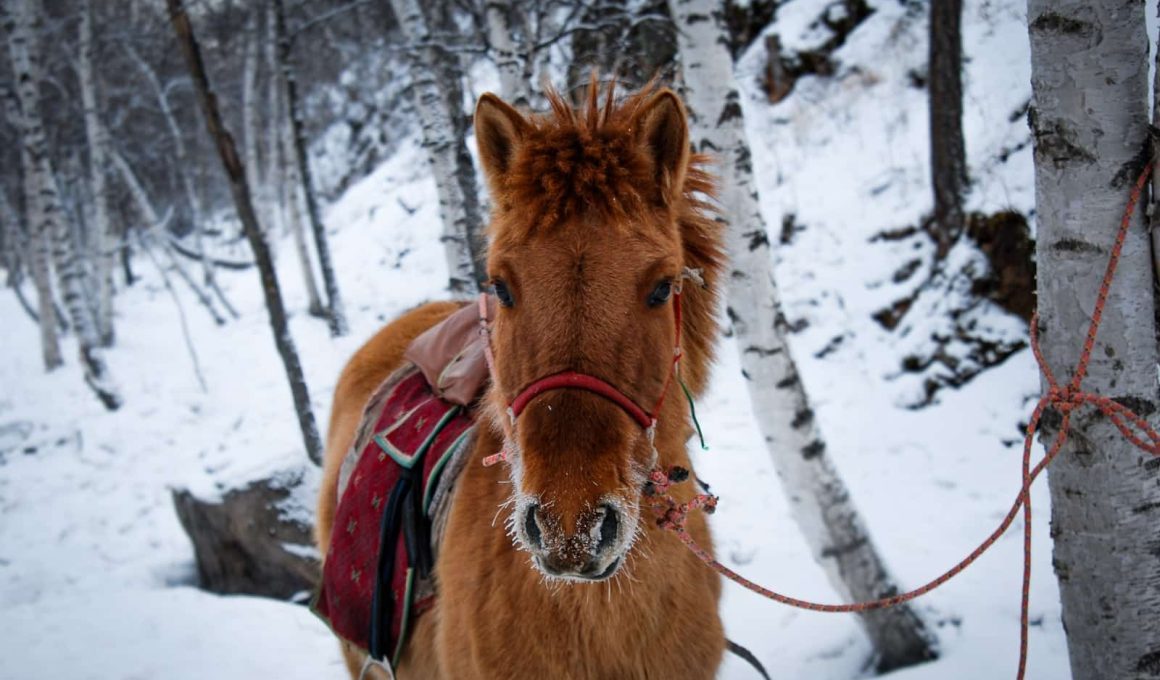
(228, 153)
(335, 313)
(948, 156)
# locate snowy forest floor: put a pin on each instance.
(97, 578)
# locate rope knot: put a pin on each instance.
(1065, 399)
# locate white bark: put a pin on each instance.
(501, 17)
(1154, 211)
(155, 222)
(273, 169)
(181, 158)
(251, 134)
(23, 21)
(336, 315)
(445, 148)
(1089, 80)
(38, 243)
(821, 503)
(292, 205)
(103, 237)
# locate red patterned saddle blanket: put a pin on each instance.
(378, 571)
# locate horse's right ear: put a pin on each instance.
(499, 130)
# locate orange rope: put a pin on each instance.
(672, 515)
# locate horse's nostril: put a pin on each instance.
(608, 529)
(532, 528)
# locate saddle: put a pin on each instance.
(395, 487)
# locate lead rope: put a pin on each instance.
(673, 516)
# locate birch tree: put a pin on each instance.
(821, 503)
(23, 23)
(240, 190)
(336, 315)
(503, 17)
(282, 179)
(438, 93)
(251, 132)
(1089, 82)
(38, 253)
(103, 236)
(183, 161)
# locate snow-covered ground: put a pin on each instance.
(96, 575)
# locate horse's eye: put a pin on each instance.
(660, 294)
(502, 292)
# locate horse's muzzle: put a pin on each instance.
(592, 553)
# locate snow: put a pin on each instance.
(96, 574)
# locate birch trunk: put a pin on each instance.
(273, 167)
(292, 205)
(181, 156)
(154, 223)
(335, 312)
(1154, 209)
(16, 255)
(948, 155)
(821, 503)
(250, 125)
(24, 21)
(38, 249)
(1089, 81)
(235, 172)
(501, 17)
(435, 81)
(103, 236)
(282, 177)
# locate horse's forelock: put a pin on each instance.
(581, 160)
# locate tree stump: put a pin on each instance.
(255, 539)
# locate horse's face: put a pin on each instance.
(585, 256)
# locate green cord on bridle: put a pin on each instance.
(693, 412)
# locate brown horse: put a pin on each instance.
(552, 565)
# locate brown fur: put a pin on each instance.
(593, 208)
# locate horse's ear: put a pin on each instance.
(499, 129)
(663, 129)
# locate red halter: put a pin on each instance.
(581, 381)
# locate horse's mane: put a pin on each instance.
(577, 160)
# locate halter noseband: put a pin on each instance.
(579, 381)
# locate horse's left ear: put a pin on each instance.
(662, 128)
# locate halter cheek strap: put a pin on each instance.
(577, 381)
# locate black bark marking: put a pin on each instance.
(814, 449)
(840, 550)
(802, 418)
(1057, 23)
(1131, 169)
(1055, 141)
(1141, 407)
(1149, 663)
(762, 352)
(731, 111)
(1074, 245)
(787, 382)
(757, 239)
(1145, 508)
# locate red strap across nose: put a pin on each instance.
(580, 381)
(583, 381)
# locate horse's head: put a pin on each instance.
(594, 222)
